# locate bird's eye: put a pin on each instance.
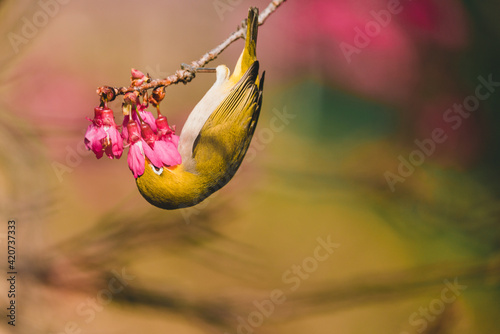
(157, 171)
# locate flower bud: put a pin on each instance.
(136, 74)
(138, 78)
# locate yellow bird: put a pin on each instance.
(216, 135)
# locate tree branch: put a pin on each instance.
(185, 75)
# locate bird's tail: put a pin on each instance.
(248, 56)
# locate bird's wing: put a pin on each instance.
(226, 135)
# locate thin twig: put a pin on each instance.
(185, 75)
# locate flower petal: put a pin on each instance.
(175, 140)
(126, 119)
(136, 159)
(89, 135)
(148, 118)
(97, 149)
(168, 153)
(136, 74)
(115, 150)
(151, 155)
(92, 135)
(93, 138)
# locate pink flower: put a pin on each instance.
(133, 104)
(136, 160)
(139, 150)
(93, 138)
(167, 152)
(165, 132)
(145, 115)
(164, 150)
(113, 143)
(126, 119)
(102, 135)
(166, 146)
(148, 134)
(150, 141)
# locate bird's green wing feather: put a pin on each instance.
(226, 135)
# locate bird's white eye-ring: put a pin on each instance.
(157, 171)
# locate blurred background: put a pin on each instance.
(368, 201)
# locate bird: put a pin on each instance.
(215, 136)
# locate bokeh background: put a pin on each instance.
(332, 127)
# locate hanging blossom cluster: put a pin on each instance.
(146, 137)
